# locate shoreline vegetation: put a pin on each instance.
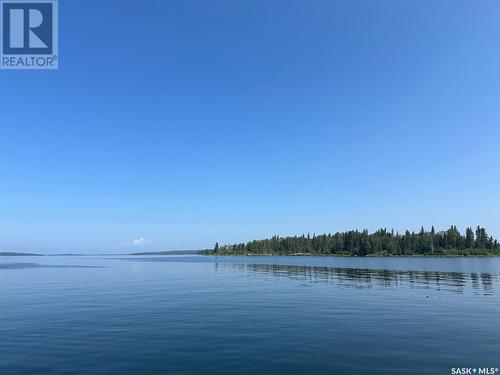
(13, 253)
(170, 252)
(449, 243)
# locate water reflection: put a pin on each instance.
(21, 266)
(455, 282)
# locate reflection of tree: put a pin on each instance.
(474, 278)
(368, 278)
(486, 280)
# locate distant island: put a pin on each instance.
(172, 252)
(12, 253)
(382, 242)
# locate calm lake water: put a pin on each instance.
(248, 315)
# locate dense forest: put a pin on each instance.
(381, 242)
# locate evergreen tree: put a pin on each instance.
(469, 238)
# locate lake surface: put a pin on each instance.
(248, 315)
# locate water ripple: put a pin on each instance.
(454, 282)
(22, 266)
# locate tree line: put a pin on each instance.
(380, 242)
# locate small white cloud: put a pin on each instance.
(140, 241)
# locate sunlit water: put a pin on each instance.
(248, 315)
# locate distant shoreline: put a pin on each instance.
(15, 254)
(172, 252)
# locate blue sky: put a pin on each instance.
(172, 125)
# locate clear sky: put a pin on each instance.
(175, 124)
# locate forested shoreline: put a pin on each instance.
(382, 242)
